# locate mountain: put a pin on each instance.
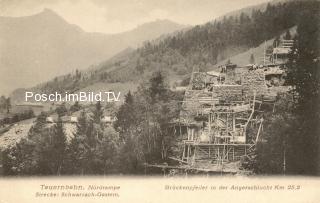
(203, 47)
(200, 48)
(148, 31)
(36, 48)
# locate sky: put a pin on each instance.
(115, 16)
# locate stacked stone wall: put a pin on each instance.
(253, 81)
(227, 93)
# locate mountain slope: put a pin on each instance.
(248, 10)
(37, 48)
(243, 58)
(199, 48)
(202, 47)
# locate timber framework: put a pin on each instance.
(222, 116)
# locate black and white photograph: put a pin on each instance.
(170, 89)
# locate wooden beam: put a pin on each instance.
(260, 126)
(179, 160)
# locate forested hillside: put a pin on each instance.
(199, 48)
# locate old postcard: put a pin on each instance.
(159, 101)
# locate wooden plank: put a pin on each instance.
(179, 160)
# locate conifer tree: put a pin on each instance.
(287, 35)
(126, 116)
(59, 145)
(252, 60)
(77, 148)
(304, 76)
(98, 112)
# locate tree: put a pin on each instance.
(252, 60)
(75, 107)
(108, 151)
(98, 112)
(62, 109)
(276, 41)
(59, 146)
(131, 155)
(304, 76)
(269, 157)
(128, 124)
(77, 75)
(8, 104)
(2, 102)
(157, 89)
(146, 133)
(84, 151)
(42, 152)
(19, 160)
(287, 35)
(75, 159)
(39, 124)
(77, 148)
(50, 149)
(139, 66)
(126, 116)
(292, 133)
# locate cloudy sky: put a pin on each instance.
(114, 16)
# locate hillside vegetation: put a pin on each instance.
(143, 133)
(199, 48)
